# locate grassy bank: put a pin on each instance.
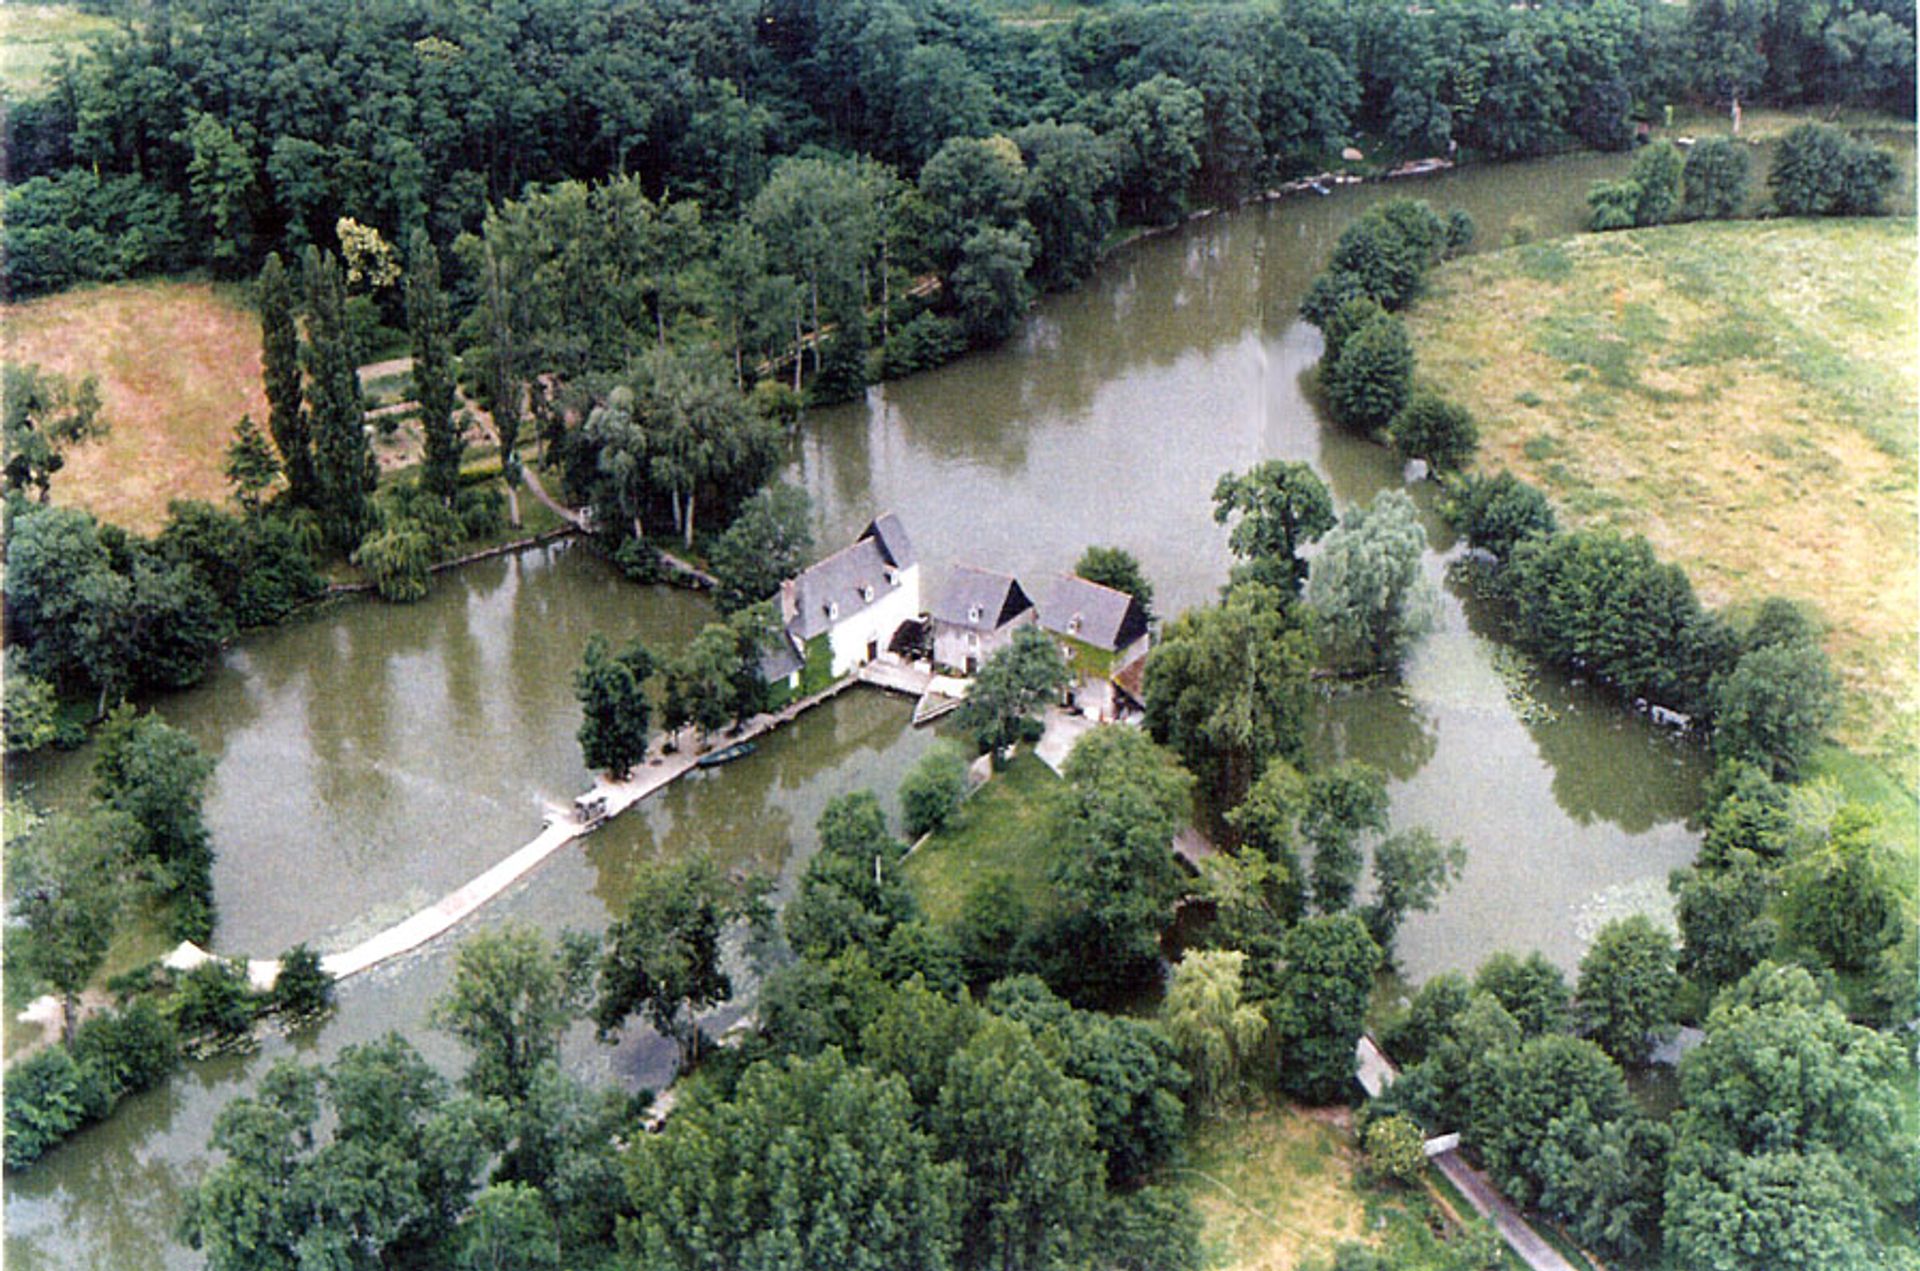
(1004, 828)
(1743, 394)
(1273, 1186)
(32, 37)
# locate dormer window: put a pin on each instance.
(866, 592)
(892, 576)
(833, 610)
(973, 613)
(1073, 625)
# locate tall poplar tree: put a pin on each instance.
(280, 357)
(433, 383)
(343, 467)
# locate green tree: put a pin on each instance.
(431, 328)
(613, 702)
(508, 1230)
(992, 924)
(853, 893)
(1069, 199)
(1626, 988)
(214, 1005)
(989, 284)
(1127, 798)
(251, 467)
(1267, 822)
(512, 996)
(1227, 687)
(68, 883)
(399, 558)
(1212, 1024)
(1368, 584)
(767, 543)
(1160, 121)
(1531, 989)
(1022, 1132)
(1715, 180)
(155, 774)
(698, 685)
(1839, 899)
(1544, 1080)
(1726, 927)
(1330, 961)
(1343, 803)
(1432, 428)
(931, 791)
(344, 473)
(280, 359)
(220, 179)
(811, 1162)
(662, 958)
(31, 712)
(1281, 506)
(43, 415)
(1011, 688)
(1372, 379)
(1410, 871)
(1775, 706)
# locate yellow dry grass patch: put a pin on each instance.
(1273, 1187)
(1744, 395)
(178, 363)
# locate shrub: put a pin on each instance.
(927, 341)
(1497, 512)
(931, 792)
(398, 559)
(1395, 1149)
(1371, 379)
(213, 1005)
(83, 227)
(1820, 171)
(48, 1097)
(1432, 428)
(132, 1050)
(639, 561)
(1715, 180)
(1344, 322)
(1460, 231)
(483, 513)
(303, 988)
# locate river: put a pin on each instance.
(372, 757)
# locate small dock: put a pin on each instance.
(934, 695)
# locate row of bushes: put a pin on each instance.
(1819, 171)
(65, 1087)
(1604, 605)
(1366, 371)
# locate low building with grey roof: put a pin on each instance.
(976, 615)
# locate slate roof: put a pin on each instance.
(980, 599)
(1092, 614)
(860, 574)
(779, 659)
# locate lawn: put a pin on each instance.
(1004, 828)
(1743, 394)
(178, 363)
(32, 37)
(1273, 1186)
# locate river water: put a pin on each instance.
(373, 757)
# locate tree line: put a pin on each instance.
(215, 131)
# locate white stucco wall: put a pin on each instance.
(952, 645)
(876, 622)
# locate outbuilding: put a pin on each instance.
(1101, 631)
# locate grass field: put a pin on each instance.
(1272, 1186)
(1004, 828)
(32, 37)
(1744, 394)
(179, 363)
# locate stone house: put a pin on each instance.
(1103, 635)
(843, 611)
(976, 616)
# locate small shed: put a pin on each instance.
(976, 616)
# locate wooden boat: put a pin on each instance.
(713, 759)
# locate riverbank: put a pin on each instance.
(1741, 393)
